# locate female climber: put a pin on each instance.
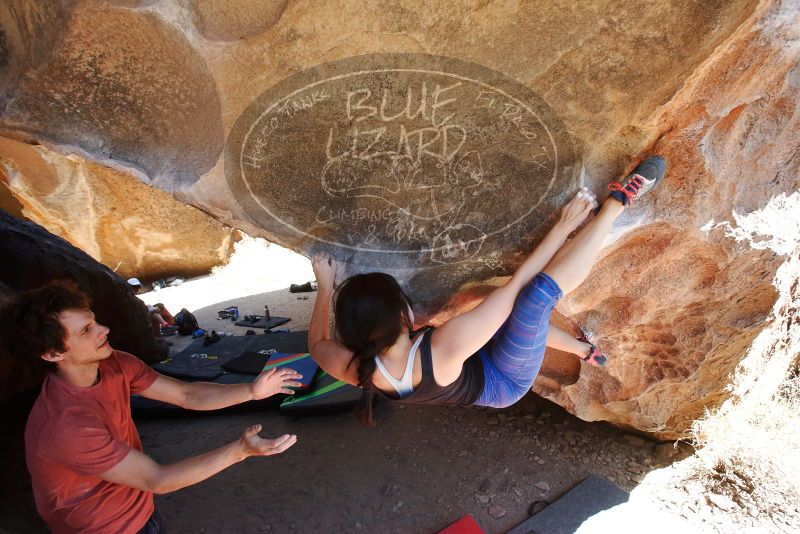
(488, 356)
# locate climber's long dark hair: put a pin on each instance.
(371, 310)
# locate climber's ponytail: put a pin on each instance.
(371, 311)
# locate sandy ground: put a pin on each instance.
(258, 274)
(417, 471)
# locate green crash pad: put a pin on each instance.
(327, 395)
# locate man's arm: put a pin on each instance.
(137, 470)
(208, 396)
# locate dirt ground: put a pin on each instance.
(417, 471)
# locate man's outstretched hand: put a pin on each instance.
(273, 381)
(252, 444)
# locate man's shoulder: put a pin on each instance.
(137, 375)
(57, 403)
(121, 357)
(121, 362)
(49, 424)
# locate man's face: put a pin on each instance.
(86, 339)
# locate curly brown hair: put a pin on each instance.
(29, 325)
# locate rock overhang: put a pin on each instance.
(712, 87)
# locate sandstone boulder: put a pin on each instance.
(28, 32)
(226, 20)
(147, 99)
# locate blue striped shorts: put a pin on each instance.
(512, 358)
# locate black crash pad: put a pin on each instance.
(191, 366)
(230, 347)
(225, 350)
(262, 322)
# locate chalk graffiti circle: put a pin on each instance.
(414, 157)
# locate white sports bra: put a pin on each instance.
(405, 385)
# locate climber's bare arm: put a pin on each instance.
(334, 359)
(462, 336)
(330, 355)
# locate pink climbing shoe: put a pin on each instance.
(595, 357)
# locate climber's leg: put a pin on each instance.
(571, 265)
(560, 340)
(513, 358)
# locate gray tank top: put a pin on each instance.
(466, 389)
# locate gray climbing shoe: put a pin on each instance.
(644, 177)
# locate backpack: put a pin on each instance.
(186, 322)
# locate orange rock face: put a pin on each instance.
(134, 229)
(679, 298)
(443, 157)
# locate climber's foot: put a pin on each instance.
(644, 177)
(594, 355)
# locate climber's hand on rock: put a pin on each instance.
(324, 269)
(577, 210)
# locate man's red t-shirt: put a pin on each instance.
(74, 434)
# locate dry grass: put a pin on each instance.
(748, 451)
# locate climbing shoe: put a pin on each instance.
(210, 339)
(644, 177)
(595, 357)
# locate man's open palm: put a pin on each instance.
(255, 445)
